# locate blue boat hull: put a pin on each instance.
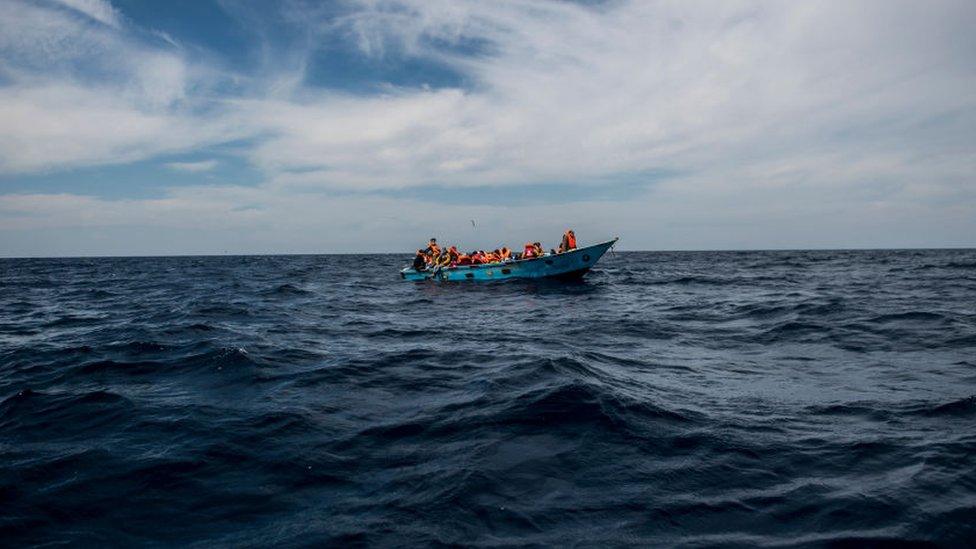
(569, 265)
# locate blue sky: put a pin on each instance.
(134, 127)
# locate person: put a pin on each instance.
(443, 261)
(539, 250)
(433, 249)
(420, 261)
(569, 241)
(529, 251)
(455, 255)
(505, 254)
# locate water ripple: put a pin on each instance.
(697, 399)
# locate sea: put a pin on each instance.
(694, 399)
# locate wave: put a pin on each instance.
(920, 316)
(222, 311)
(795, 398)
(693, 280)
(73, 321)
(872, 411)
(761, 311)
(37, 415)
(401, 333)
(287, 290)
(962, 341)
(132, 368)
(102, 294)
(130, 362)
(574, 405)
(961, 408)
(885, 412)
(794, 331)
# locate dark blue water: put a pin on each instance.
(755, 398)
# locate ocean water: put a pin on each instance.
(695, 399)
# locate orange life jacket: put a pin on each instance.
(570, 240)
(529, 250)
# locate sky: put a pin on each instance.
(130, 127)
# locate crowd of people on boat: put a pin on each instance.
(435, 257)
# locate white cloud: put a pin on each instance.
(692, 213)
(99, 10)
(564, 91)
(57, 126)
(78, 95)
(769, 111)
(193, 167)
(567, 92)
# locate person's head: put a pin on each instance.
(571, 232)
(420, 252)
(537, 244)
(433, 241)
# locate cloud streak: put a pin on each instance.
(99, 10)
(193, 167)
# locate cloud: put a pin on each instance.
(685, 213)
(60, 126)
(99, 10)
(561, 91)
(826, 114)
(193, 167)
(569, 92)
(79, 95)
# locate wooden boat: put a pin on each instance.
(567, 265)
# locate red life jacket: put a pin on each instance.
(570, 240)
